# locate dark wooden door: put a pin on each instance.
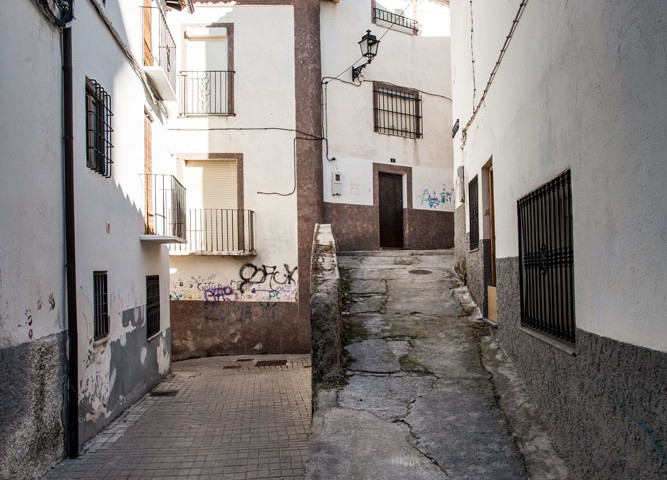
(391, 210)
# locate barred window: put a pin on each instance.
(397, 111)
(100, 305)
(473, 214)
(546, 259)
(152, 305)
(98, 128)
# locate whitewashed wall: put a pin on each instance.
(419, 62)
(263, 97)
(581, 87)
(31, 195)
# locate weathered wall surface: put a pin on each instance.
(325, 307)
(606, 407)
(32, 379)
(581, 88)
(32, 314)
(201, 329)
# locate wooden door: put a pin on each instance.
(391, 210)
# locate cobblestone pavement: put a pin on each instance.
(241, 417)
(428, 395)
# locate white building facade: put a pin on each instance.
(84, 262)
(560, 213)
(245, 142)
(387, 162)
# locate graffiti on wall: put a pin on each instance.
(265, 283)
(434, 198)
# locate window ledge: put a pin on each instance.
(550, 340)
(101, 341)
(157, 334)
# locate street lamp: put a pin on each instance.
(369, 48)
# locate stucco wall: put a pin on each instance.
(569, 94)
(32, 342)
(117, 371)
(352, 147)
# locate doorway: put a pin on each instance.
(492, 310)
(391, 210)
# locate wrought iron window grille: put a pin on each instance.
(98, 129)
(473, 213)
(546, 259)
(397, 111)
(207, 92)
(380, 15)
(100, 305)
(152, 305)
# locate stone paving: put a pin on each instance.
(215, 418)
(427, 394)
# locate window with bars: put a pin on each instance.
(473, 213)
(546, 259)
(98, 129)
(100, 305)
(397, 111)
(152, 305)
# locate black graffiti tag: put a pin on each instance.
(253, 275)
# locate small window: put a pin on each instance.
(98, 129)
(546, 259)
(397, 111)
(152, 305)
(473, 213)
(101, 305)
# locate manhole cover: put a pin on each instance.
(271, 363)
(163, 393)
(420, 272)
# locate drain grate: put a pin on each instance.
(231, 366)
(420, 272)
(163, 393)
(245, 359)
(271, 363)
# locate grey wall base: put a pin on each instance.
(32, 388)
(606, 407)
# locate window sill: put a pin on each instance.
(550, 340)
(101, 341)
(157, 334)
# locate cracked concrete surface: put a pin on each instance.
(428, 393)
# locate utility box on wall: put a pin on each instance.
(336, 183)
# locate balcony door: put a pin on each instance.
(205, 77)
(212, 195)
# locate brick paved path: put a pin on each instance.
(216, 418)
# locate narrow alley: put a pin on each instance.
(419, 401)
(214, 418)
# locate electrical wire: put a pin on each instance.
(294, 170)
(280, 129)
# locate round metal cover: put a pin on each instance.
(420, 272)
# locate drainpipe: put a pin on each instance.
(72, 434)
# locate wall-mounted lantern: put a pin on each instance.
(369, 48)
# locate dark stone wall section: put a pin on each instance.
(201, 329)
(32, 389)
(605, 408)
(478, 273)
(357, 227)
(460, 241)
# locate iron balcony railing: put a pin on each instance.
(218, 231)
(159, 47)
(164, 209)
(395, 19)
(207, 92)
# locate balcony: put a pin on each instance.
(159, 53)
(395, 21)
(164, 209)
(207, 92)
(217, 231)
